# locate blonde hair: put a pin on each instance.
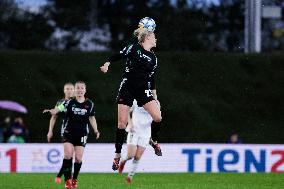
(141, 34)
(69, 83)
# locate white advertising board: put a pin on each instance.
(30, 158)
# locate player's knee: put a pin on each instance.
(137, 158)
(157, 118)
(67, 156)
(78, 159)
(122, 124)
(130, 157)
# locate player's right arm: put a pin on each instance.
(94, 125)
(53, 111)
(116, 57)
(60, 108)
(53, 120)
(51, 126)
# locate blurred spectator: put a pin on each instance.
(234, 139)
(1, 135)
(4, 126)
(17, 131)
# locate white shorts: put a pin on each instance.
(137, 140)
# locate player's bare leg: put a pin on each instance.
(79, 150)
(131, 151)
(123, 111)
(67, 164)
(154, 110)
(139, 152)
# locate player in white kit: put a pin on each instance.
(139, 134)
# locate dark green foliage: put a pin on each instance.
(204, 97)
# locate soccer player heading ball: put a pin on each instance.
(138, 82)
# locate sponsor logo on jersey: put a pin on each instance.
(79, 111)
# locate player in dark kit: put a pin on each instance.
(79, 113)
(138, 83)
(68, 90)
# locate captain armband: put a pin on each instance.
(61, 107)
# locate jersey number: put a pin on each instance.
(126, 69)
(84, 139)
(148, 93)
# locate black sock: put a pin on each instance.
(120, 134)
(155, 130)
(61, 171)
(77, 167)
(67, 168)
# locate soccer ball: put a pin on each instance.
(147, 23)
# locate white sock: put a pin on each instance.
(117, 155)
(133, 169)
(124, 157)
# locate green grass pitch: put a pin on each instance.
(149, 181)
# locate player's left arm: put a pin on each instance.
(94, 125)
(126, 52)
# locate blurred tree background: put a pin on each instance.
(94, 25)
(211, 93)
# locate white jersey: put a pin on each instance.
(141, 121)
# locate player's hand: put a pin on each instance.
(49, 136)
(104, 68)
(97, 134)
(51, 111)
(45, 111)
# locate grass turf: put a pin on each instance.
(155, 181)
